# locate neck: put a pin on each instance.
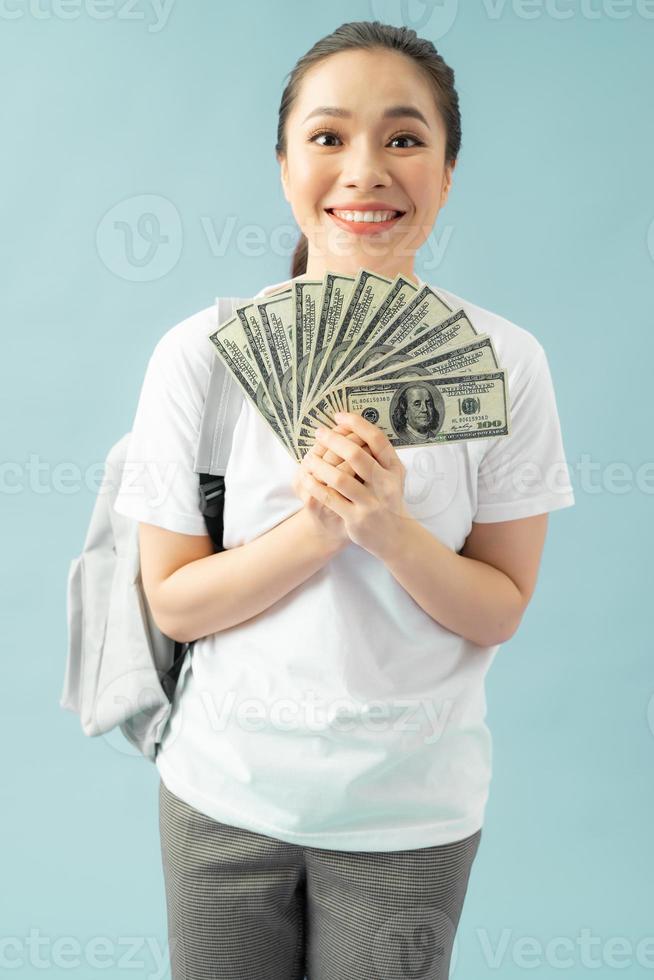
(318, 266)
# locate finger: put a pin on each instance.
(315, 494)
(361, 461)
(309, 457)
(331, 499)
(330, 456)
(342, 464)
(318, 493)
(304, 484)
(376, 438)
(351, 490)
(342, 430)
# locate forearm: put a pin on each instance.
(228, 587)
(466, 596)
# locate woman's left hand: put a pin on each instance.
(372, 507)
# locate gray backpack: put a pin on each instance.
(121, 670)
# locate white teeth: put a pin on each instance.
(365, 215)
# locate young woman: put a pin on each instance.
(326, 766)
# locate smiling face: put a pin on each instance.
(367, 158)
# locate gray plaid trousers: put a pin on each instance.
(245, 906)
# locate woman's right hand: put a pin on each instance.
(313, 491)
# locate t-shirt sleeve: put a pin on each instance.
(526, 473)
(159, 485)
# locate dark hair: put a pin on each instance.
(373, 34)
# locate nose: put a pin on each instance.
(365, 166)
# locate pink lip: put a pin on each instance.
(364, 227)
(360, 206)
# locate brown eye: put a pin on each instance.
(323, 132)
(407, 136)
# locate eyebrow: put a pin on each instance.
(391, 112)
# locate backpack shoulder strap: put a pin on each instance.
(222, 407)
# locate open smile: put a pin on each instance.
(367, 222)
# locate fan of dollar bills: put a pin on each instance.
(395, 353)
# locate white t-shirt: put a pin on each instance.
(343, 716)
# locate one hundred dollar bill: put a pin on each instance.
(477, 356)
(234, 344)
(404, 311)
(360, 331)
(364, 298)
(307, 306)
(429, 338)
(473, 358)
(428, 411)
(334, 299)
(276, 316)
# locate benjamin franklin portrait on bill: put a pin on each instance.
(415, 416)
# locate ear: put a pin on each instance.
(283, 173)
(447, 182)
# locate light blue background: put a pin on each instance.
(547, 224)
